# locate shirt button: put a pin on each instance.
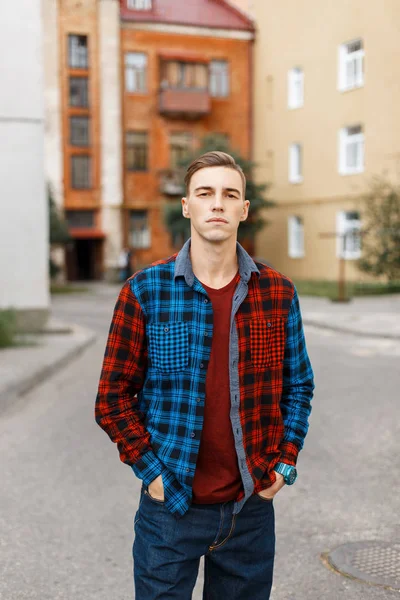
(192, 434)
(166, 329)
(269, 324)
(206, 334)
(201, 365)
(187, 470)
(198, 399)
(205, 300)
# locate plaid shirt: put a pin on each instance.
(151, 393)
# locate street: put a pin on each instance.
(67, 503)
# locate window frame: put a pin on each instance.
(350, 225)
(355, 58)
(135, 149)
(295, 77)
(89, 186)
(344, 143)
(173, 144)
(85, 66)
(75, 225)
(226, 77)
(296, 236)
(144, 235)
(86, 91)
(81, 118)
(148, 5)
(137, 72)
(295, 159)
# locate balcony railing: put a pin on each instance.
(189, 103)
(172, 182)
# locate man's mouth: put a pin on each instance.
(216, 220)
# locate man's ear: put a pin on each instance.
(185, 210)
(245, 214)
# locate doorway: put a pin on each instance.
(84, 260)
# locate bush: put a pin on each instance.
(7, 328)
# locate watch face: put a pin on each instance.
(291, 476)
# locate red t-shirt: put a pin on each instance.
(217, 477)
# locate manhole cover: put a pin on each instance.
(375, 562)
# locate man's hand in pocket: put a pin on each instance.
(156, 489)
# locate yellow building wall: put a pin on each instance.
(308, 35)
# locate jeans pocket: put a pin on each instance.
(268, 500)
(153, 500)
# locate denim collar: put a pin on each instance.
(183, 264)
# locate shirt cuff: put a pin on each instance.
(289, 453)
(148, 467)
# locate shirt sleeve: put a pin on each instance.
(298, 387)
(122, 376)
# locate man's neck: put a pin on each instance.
(214, 264)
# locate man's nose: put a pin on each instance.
(218, 202)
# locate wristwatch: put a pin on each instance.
(289, 473)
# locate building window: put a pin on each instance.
(295, 163)
(78, 51)
(137, 150)
(139, 229)
(351, 65)
(219, 78)
(295, 237)
(136, 72)
(348, 226)
(351, 150)
(81, 168)
(79, 131)
(175, 74)
(80, 219)
(181, 147)
(79, 92)
(295, 88)
(139, 4)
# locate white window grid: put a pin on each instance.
(295, 163)
(139, 4)
(295, 237)
(295, 88)
(351, 65)
(140, 236)
(351, 150)
(136, 72)
(219, 78)
(348, 242)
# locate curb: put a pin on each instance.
(23, 386)
(359, 333)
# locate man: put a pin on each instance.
(206, 388)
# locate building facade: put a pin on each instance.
(325, 124)
(23, 209)
(140, 83)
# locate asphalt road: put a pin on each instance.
(67, 503)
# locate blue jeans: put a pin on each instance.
(238, 549)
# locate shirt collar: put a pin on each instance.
(183, 264)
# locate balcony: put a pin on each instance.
(172, 182)
(184, 103)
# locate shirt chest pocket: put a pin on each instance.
(267, 342)
(168, 346)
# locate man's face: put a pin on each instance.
(215, 203)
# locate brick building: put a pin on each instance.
(132, 87)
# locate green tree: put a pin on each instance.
(179, 227)
(381, 230)
(58, 230)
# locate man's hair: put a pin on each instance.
(213, 159)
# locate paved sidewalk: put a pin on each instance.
(370, 316)
(23, 367)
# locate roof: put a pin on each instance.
(217, 14)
